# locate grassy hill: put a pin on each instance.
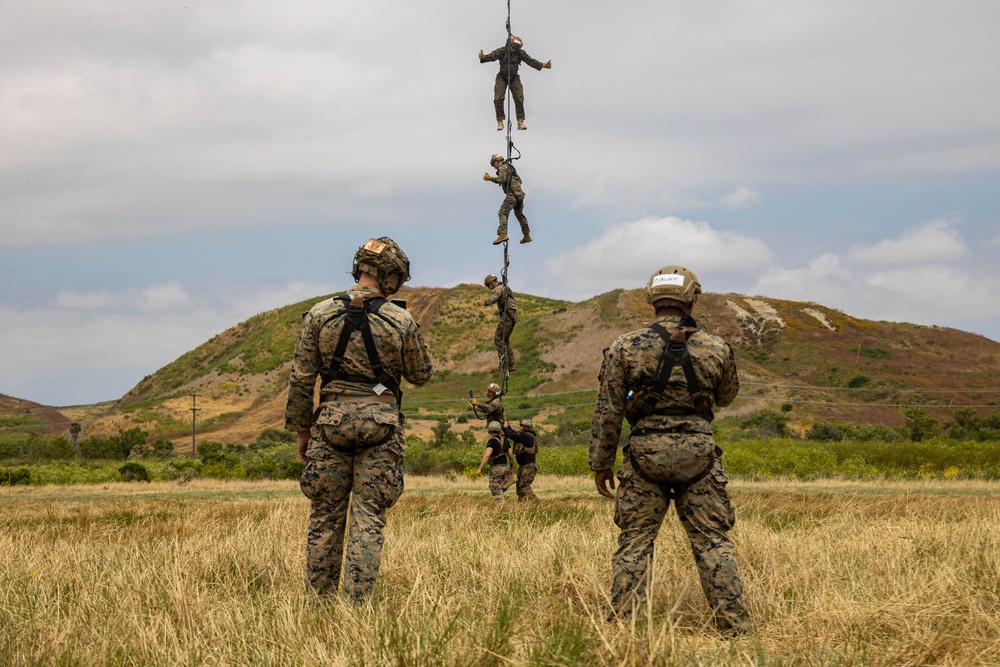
(819, 363)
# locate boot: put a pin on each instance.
(526, 239)
(500, 125)
(521, 125)
(500, 239)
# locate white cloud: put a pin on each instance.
(168, 296)
(627, 253)
(85, 301)
(741, 197)
(936, 241)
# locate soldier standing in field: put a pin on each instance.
(525, 448)
(497, 455)
(511, 55)
(360, 345)
(503, 297)
(665, 379)
(508, 180)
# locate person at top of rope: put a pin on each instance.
(508, 180)
(503, 297)
(511, 55)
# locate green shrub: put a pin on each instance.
(825, 432)
(15, 476)
(767, 424)
(134, 472)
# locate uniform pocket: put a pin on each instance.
(357, 425)
(672, 457)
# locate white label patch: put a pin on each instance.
(668, 279)
(380, 389)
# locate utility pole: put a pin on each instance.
(194, 411)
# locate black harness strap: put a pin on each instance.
(357, 314)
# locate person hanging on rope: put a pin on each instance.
(525, 448)
(508, 180)
(492, 410)
(511, 55)
(503, 297)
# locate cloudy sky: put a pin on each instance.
(169, 169)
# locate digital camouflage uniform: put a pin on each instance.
(673, 443)
(493, 410)
(501, 295)
(510, 183)
(369, 479)
(525, 448)
(510, 60)
(499, 467)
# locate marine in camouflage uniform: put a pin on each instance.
(510, 56)
(503, 297)
(525, 449)
(492, 409)
(353, 444)
(670, 446)
(508, 180)
(497, 455)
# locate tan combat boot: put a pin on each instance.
(499, 125)
(526, 239)
(521, 125)
(500, 239)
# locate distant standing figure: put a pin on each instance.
(359, 345)
(665, 379)
(497, 455)
(510, 56)
(503, 297)
(508, 180)
(525, 448)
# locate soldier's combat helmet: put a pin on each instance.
(493, 388)
(494, 427)
(516, 42)
(526, 422)
(385, 260)
(496, 157)
(489, 279)
(673, 286)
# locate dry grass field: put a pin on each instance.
(836, 573)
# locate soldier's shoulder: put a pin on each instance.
(397, 314)
(327, 307)
(704, 339)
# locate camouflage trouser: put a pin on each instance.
(497, 473)
(501, 338)
(500, 93)
(707, 514)
(525, 477)
(514, 201)
(371, 481)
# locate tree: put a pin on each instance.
(74, 437)
(920, 424)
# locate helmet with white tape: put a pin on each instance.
(673, 286)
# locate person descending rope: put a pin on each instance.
(510, 56)
(503, 297)
(492, 410)
(508, 180)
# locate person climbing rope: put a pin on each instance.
(503, 297)
(511, 55)
(508, 180)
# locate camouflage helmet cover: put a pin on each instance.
(494, 427)
(493, 387)
(673, 283)
(526, 422)
(384, 259)
(490, 278)
(496, 157)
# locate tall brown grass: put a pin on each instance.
(835, 573)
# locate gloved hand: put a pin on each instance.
(472, 403)
(487, 177)
(481, 55)
(547, 65)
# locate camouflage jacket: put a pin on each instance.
(510, 60)
(508, 180)
(503, 297)
(401, 349)
(492, 411)
(635, 355)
